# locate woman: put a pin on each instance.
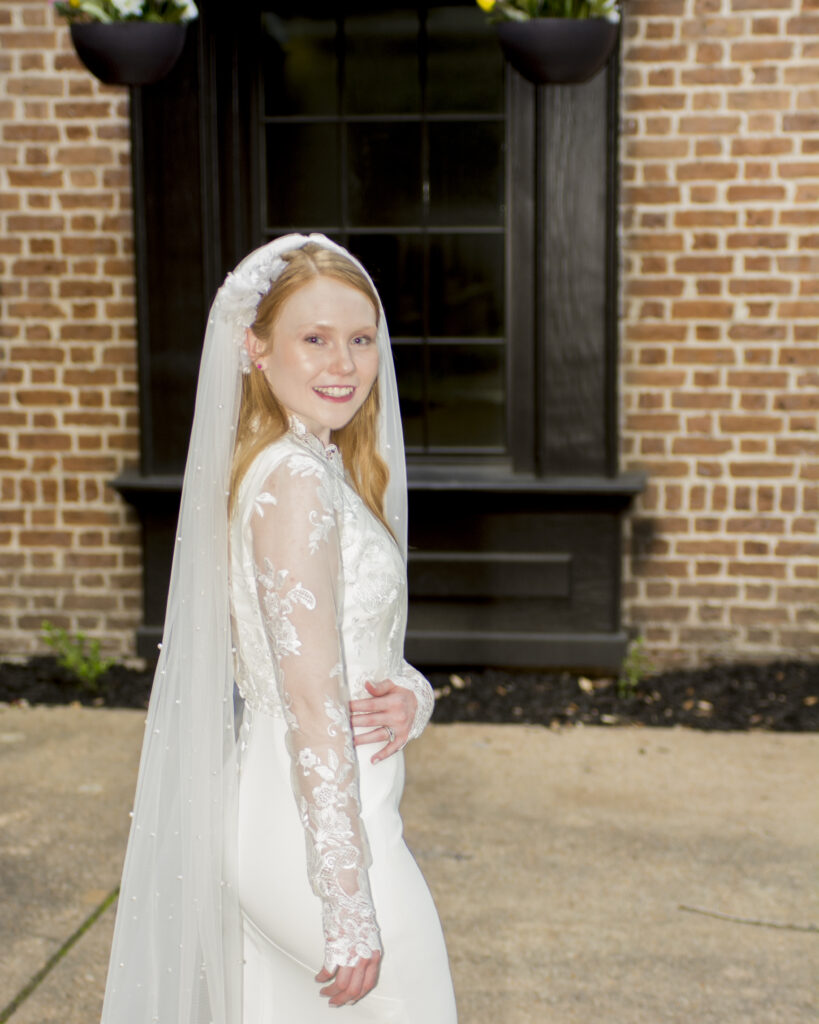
(228, 878)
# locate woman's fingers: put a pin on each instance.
(349, 984)
(391, 707)
(379, 735)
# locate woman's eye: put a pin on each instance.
(313, 339)
(362, 339)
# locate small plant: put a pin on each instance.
(108, 11)
(527, 10)
(77, 654)
(636, 666)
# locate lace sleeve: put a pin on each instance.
(297, 561)
(410, 678)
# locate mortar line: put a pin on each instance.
(53, 960)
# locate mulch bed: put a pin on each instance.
(783, 696)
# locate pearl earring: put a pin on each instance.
(258, 366)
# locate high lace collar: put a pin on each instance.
(329, 452)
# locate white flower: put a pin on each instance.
(307, 759)
(128, 8)
(189, 9)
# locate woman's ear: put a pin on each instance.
(254, 348)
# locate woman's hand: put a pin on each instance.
(390, 706)
(349, 984)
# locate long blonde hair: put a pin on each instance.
(263, 419)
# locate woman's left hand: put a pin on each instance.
(391, 707)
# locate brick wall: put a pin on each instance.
(720, 230)
(69, 549)
(720, 332)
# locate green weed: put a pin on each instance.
(77, 654)
(636, 666)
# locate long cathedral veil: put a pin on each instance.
(177, 954)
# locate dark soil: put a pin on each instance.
(783, 696)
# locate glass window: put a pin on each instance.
(385, 128)
(466, 173)
(299, 65)
(381, 63)
(396, 264)
(466, 396)
(466, 285)
(384, 179)
(464, 62)
(303, 175)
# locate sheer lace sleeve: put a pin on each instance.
(410, 678)
(297, 562)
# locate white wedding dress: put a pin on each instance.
(319, 597)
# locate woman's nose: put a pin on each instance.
(342, 361)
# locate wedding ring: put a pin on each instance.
(390, 732)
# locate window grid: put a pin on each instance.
(345, 232)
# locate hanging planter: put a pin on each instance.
(128, 52)
(555, 41)
(558, 50)
(128, 42)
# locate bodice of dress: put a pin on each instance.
(319, 604)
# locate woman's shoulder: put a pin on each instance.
(284, 466)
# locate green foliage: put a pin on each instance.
(110, 11)
(636, 666)
(77, 654)
(526, 10)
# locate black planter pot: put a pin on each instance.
(128, 52)
(558, 50)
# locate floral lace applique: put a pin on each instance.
(278, 606)
(265, 498)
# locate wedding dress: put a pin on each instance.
(292, 816)
(318, 600)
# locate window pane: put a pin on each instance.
(384, 174)
(381, 73)
(396, 265)
(409, 369)
(303, 175)
(300, 65)
(466, 286)
(466, 173)
(465, 65)
(466, 396)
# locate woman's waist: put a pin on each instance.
(380, 785)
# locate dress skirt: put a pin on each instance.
(283, 937)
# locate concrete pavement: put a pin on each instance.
(559, 862)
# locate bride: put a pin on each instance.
(266, 878)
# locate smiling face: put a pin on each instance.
(322, 359)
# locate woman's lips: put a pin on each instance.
(336, 393)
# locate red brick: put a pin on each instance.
(655, 54)
(29, 40)
(705, 218)
(759, 51)
(760, 470)
(707, 171)
(656, 100)
(701, 309)
(45, 538)
(710, 75)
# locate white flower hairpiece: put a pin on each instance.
(238, 298)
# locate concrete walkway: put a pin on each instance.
(559, 861)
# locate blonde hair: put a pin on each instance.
(263, 419)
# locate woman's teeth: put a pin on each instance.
(336, 392)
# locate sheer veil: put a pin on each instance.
(176, 957)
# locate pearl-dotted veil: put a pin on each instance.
(177, 951)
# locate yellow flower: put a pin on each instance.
(486, 5)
